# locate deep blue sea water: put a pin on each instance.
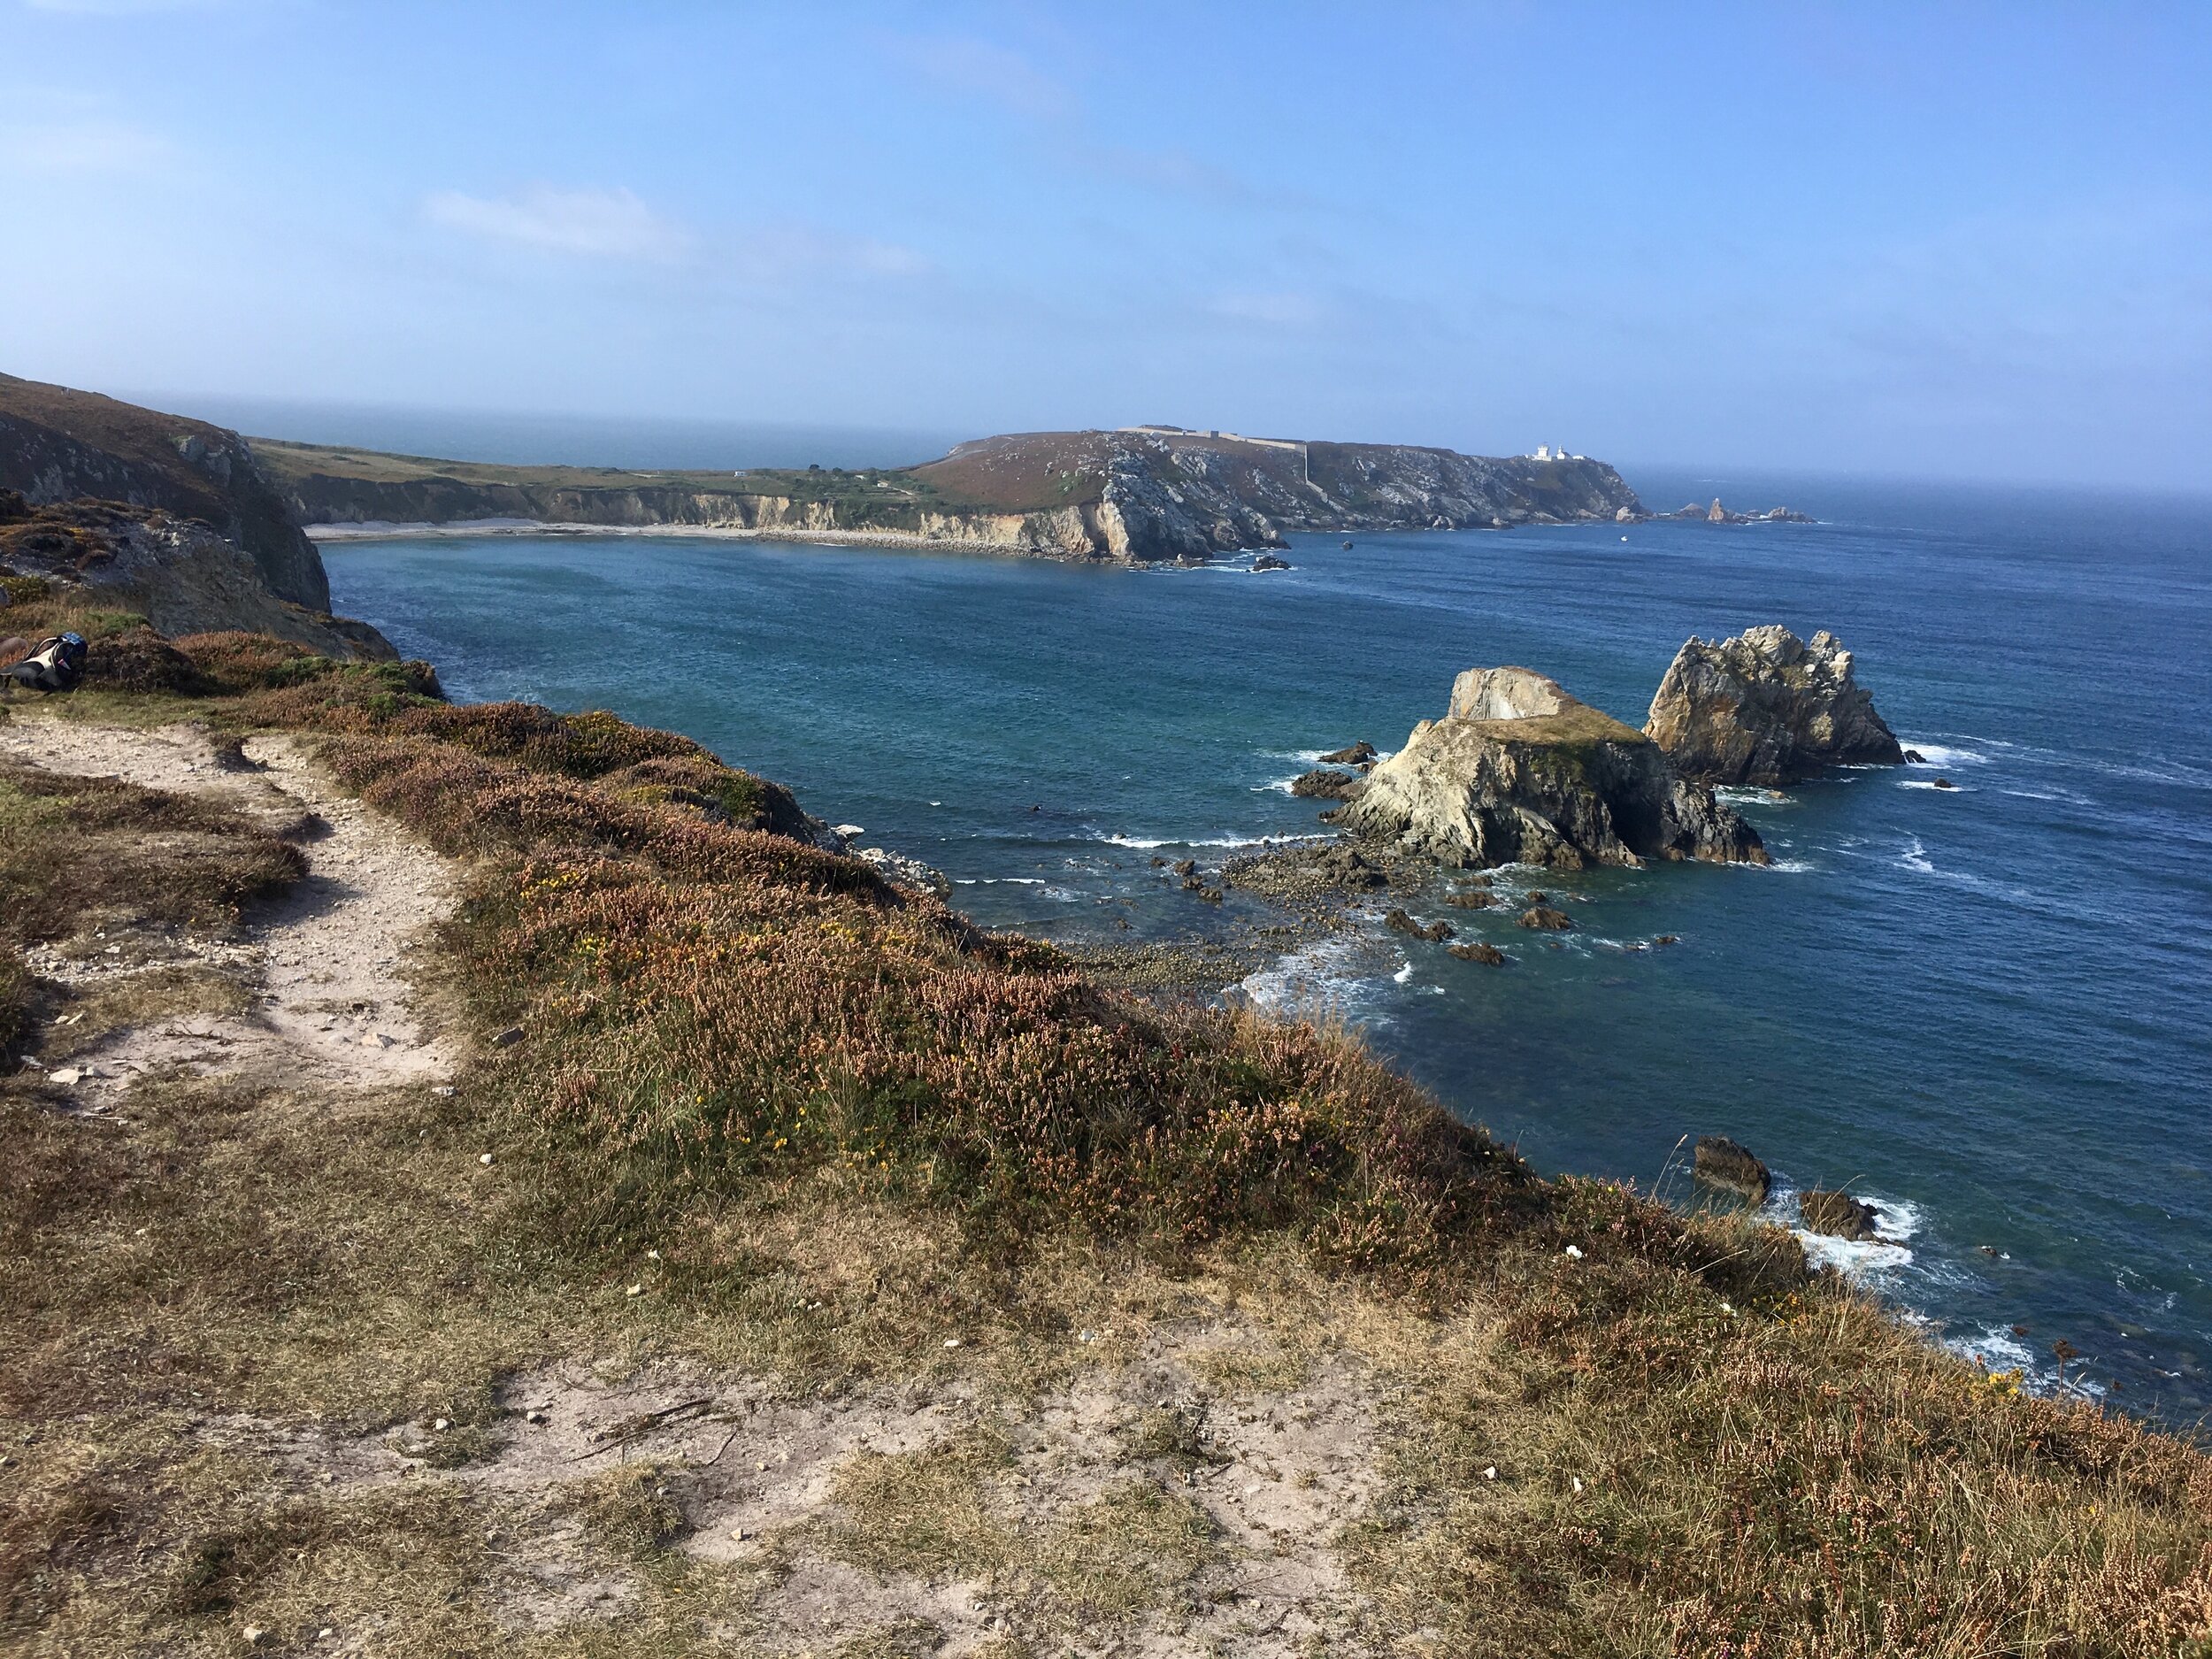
(1984, 1009)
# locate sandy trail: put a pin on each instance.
(1285, 1466)
(328, 961)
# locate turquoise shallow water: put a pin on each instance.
(1984, 1009)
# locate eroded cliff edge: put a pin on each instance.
(1134, 496)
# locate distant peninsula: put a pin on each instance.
(1145, 495)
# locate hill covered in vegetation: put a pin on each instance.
(59, 444)
(1141, 495)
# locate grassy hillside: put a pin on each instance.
(291, 466)
(744, 1141)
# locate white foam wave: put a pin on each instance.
(1996, 1348)
(1916, 857)
(1404, 976)
(998, 882)
(1943, 754)
(2000, 1350)
(1786, 866)
(1853, 1258)
(1930, 783)
(1151, 843)
(1896, 1221)
(1326, 979)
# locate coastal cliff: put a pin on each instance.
(59, 444)
(1141, 497)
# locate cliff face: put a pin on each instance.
(1186, 495)
(1521, 773)
(176, 572)
(57, 444)
(1129, 496)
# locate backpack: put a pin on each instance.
(54, 664)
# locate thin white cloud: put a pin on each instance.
(589, 224)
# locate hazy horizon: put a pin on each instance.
(1970, 244)
(510, 437)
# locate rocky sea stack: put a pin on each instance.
(1519, 772)
(1766, 708)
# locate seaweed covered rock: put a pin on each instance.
(1522, 772)
(1766, 708)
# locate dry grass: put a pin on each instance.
(77, 852)
(820, 1125)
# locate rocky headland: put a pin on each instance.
(1766, 708)
(59, 444)
(180, 575)
(1519, 772)
(141, 514)
(1146, 495)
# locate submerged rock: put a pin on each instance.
(1544, 919)
(1838, 1214)
(1730, 1166)
(1269, 562)
(1398, 922)
(1359, 754)
(1472, 898)
(1521, 771)
(1766, 708)
(1489, 954)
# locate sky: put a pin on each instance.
(1943, 240)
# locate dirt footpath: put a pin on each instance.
(327, 963)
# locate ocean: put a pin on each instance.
(1983, 1008)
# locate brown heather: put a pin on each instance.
(847, 1120)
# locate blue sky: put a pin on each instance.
(1934, 240)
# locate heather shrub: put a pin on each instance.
(587, 745)
(133, 657)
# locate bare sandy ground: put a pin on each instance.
(1284, 1466)
(328, 961)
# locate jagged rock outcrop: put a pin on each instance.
(1718, 514)
(1766, 708)
(1733, 1167)
(57, 444)
(1535, 776)
(177, 573)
